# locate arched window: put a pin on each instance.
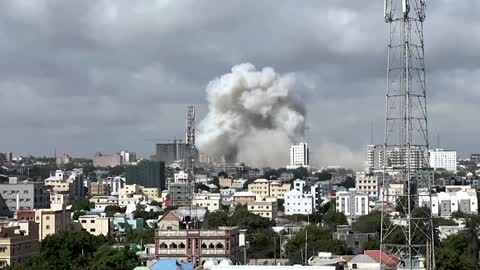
(182, 245)
(173, 245)
(219, 245)
(211, 245)
(204, 245)
(163, 245)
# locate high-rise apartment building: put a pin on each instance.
(443, 159)
(299, 156)
(170, 152)
(148, 173)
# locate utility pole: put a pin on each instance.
(306, 246)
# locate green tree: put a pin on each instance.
(217, 219)
(319, 239)
(323, 175)
(111, 210)
(108, 258)
(78, 213)
(117, 170)
(145, 236)
(298, 173)
(454, 254)
(247, 220)
(371, 244)
(333, 218)
(370, 223)
(262, 243)
(82, 204)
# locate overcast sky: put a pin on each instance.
(106, 75)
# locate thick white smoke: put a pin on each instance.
(253, 115)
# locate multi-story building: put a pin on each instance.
(131, 194)
(19, 195)
(170, 152)
(458, 199)
(49, 221)
(243, 197)
(375, 157)
(392, 193)
(128, 157)
(116, 183)
(196, 246)
(59, 201)
(66, 182)
(99, 189)
(266, 207)
(225, 182)
(103, 161)
(212, 201)
(299, 156)
(103, 201)
(62, 160)
(238, 184)
(17, 246)
(296, 202)
(354, 240)
(299, 185)
(352, 203)
(368, 183)
(153, 194)
(260, 187)
(443, 159)
(180, 177)
(94, 224)
(278, 189)
(148, 173)
(180, 193)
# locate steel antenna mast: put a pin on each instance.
(408, 236)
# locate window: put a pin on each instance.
(92, 221)
(182, 245)
(354, 266)
(47, 217)
(84, 221)
(163, 245)
(219, 245)
(47, 227)
(205, 245)
(92, 229)
(3, 249)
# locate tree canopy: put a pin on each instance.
(79, 250)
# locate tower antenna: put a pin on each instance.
(408, 237)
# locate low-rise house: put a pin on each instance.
(95, 224)
(353, 239)
(103, 201)
(265, 207)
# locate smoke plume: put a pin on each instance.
(253, 116)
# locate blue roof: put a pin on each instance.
(171, 264)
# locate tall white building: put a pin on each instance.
(297, 202)
(443, 159)
(351, 203)
(375, 157)
(299, 156)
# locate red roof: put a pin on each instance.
(167, 203)
(378, 255)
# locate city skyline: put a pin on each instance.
(106, 79)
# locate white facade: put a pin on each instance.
(443, 204)
(181, 177)
(212, 201)
(116, 183)
(368, 183)
(351, 203)
(299, 185)
(298, 203)
(128, 157)
(299, 156)
(443, 159)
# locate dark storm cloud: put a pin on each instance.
(82, 76)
